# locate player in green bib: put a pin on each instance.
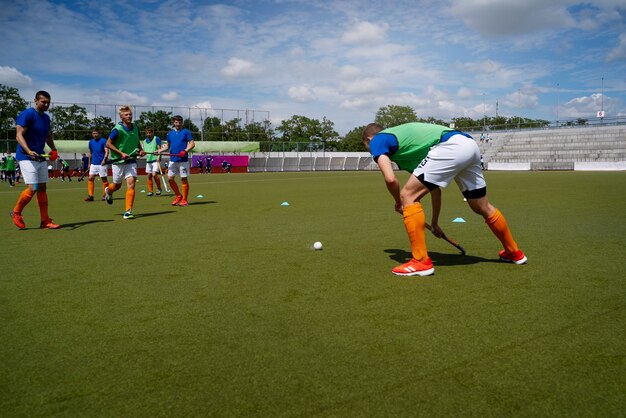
(124, 145)
(435, 155)
(3, 165)
(65, 170)
(150, 145)
(9, 168)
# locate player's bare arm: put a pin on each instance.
(19, 137)
(391, 181)
(435, 196)
(113, 148)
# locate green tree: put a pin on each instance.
(394, 115)
(160, 121)
(212, 129)
(434, 120)
(259, 131)
(302, 129)
(70, 122)
(351, 142)
(464, 122)
(104, 124)
(11, 103)
(231, 130)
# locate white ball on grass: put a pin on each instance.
(317, 245)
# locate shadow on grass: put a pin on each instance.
(440, 259)
(76, 225)
(145, 215)
(202, 203)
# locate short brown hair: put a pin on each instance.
(369, 131)
(178, 118)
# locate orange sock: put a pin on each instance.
(90, 186)
(113, 187)
(157, 181)
(500, 228)
(130, 198)
(185, 190)
(150, 186)
(105, 184)
(414, 221)
(42, 201)
(23, 200)
(174, 186)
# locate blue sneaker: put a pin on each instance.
(129, 215)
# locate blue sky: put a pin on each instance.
(341, 60)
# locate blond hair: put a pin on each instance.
(125, 108)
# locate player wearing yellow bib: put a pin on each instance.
(151, 145)
(124, 145)
(435, 155)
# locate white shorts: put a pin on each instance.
(458, 158)
(152, 167)
(34, 172)
(98, 170)
(181, 169)
(123, 171)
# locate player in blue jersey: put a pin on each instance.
(32, 135)
(179, 143)
(98, 153)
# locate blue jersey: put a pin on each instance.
(178, 141)
(37, 129)
(97, 148)
(383, 144)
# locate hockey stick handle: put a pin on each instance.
(162, 154)
(131, 155)
(452, 242)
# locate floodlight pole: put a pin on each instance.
(557, 105)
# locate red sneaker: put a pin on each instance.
(177, 200)
(48, 224)
(18, 220)
(517, 257)
(183, 202)
(415, 268)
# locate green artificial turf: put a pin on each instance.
(222, 308)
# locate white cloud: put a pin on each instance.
(170, 96)
(365, 33)
(10, 76)
(301, 93)
(238, 68)
(619, 52)
(126, 97)
(498, 17)
(465, 93)
(366, 86)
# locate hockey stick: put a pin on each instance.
(180, 154)
(167, 189)
(131, 155)
(457, 246)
